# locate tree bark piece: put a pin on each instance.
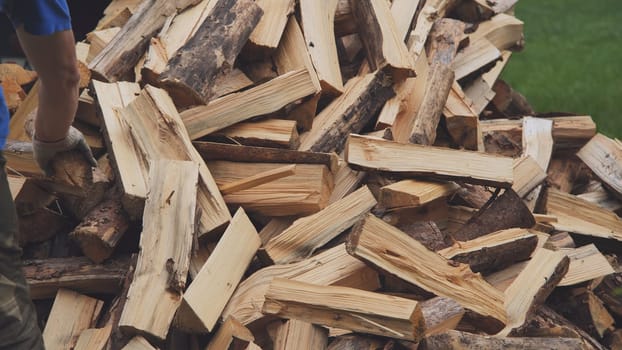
(46, 277)
(345, 308)
(231, 334)
(307, 234)
(604, 156)
(463, 341)
(331, 267)
(166, 244)
(414, 193)
(494, 251)
(276, 133)
(158, 132)
(349, 113)
(262, 99)
(294, 333)
(71, 314)
(210, 52)
(446, 35)
(381, 39)
(210, 290)
(374, 154)
(441, 314)
(394, 252)
(586, 263)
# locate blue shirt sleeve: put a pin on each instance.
(4, 120)
(39, 17)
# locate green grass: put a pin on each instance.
(572, 61)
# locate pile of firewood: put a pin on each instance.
(317, 174)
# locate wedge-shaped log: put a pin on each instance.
(375, 154)
(532, 286)
(307, 234)
(210, 52)
(277, 133)
(45, 277)
(396, 253)
(494, 251)
(117, 60)
(211, 289)
(258, 179)
(586, 263)
(334, 266)
(527, 175)
(71, 314)
(304, 193)
(413, 193)
(463, 341)
(262, 99)
(379, 33)
(441, 314)
(294, 333)
(349, 113)
(580, 216)
(165, 248)
(345, 308)
(158, 132)
(231, 334)
(604, 156)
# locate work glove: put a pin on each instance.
(44, 152)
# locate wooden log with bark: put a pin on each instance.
(463, 340)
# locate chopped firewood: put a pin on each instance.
(580, 216)
(231, 334)
(118, 58)
(158, 132)
(138, 343)
(462, 121)
(412, 193)
(497, 6)
(430, 12)
(262, 99)
(318, 23)
(375, 154)
(250, 154)
(16, 183)
(345, 308)
(304, 193)
(233, 81)
(13, 93)
(607, 289)
(463, 341)
(586, 263)
(275, 227)
(115, 10)
(537, 142)
(603, 198)
(294, 333)
(17, 131)
(258, 179)
(349, 113)
(98, 40)
(585, 309)
(373, 238)
(614, 339)
(71, 314)
(436, 211)
(166, 244)
(440, 315)
(210, 52)
(480, 90)
(211, 289)
(604, 156)
(493, 251)
(346, 181)
(503, 31)
(333, 266)
(533, 285)
(475, 56)
(506, 211)
(559, 241)
(427, 233)
(15, 72)
(276, 133)
(528, 175)
(267, 33)
(307, 234)
(357, 341)
(445, 38)
(93, 339)
(379, 33)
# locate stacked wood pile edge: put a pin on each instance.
(317, 175)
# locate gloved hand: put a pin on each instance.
(44, 152)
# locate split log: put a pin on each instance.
(258, 179)
(13, 93)
(212, 287)
(333, 266)
(158, 132)
(318, 23)
(379, 33)
(166, 243)
(582, 307)
(138, 343)
(504, 31)
(250, 154)
(430, 12)
(304, 193)
(413, 193)
(597, 194)
(13, 71)
(474, 57)
(349, 113)
(117, 13)
(436, 211)
(461, 120)
(22, 114)
(506, 211)
(528, 175)
(71, 314)
(16, 183)
(463, 340)
(93, 339)
(586, 263)
(374, 154)
(537, 143)
(346, 182)
(263, 99)
(427, 233)
(532, 286)
(41, 224)
(267, 33)
(345, 308)
(231, 334)
(307, 234)
(210, 52)
(498, 6)
(494, 251)
(480, 90)
(446, 36)
(231, 82)
(559, 241)
(118, 58)
(98, 39)
(580, 216)
(294, 334)
(440, 315)
(276, 133)
(373, 238)
(604, 156)
(606, 288)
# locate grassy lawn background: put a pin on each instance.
(572, 61)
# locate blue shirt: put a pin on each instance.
(4, 120)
